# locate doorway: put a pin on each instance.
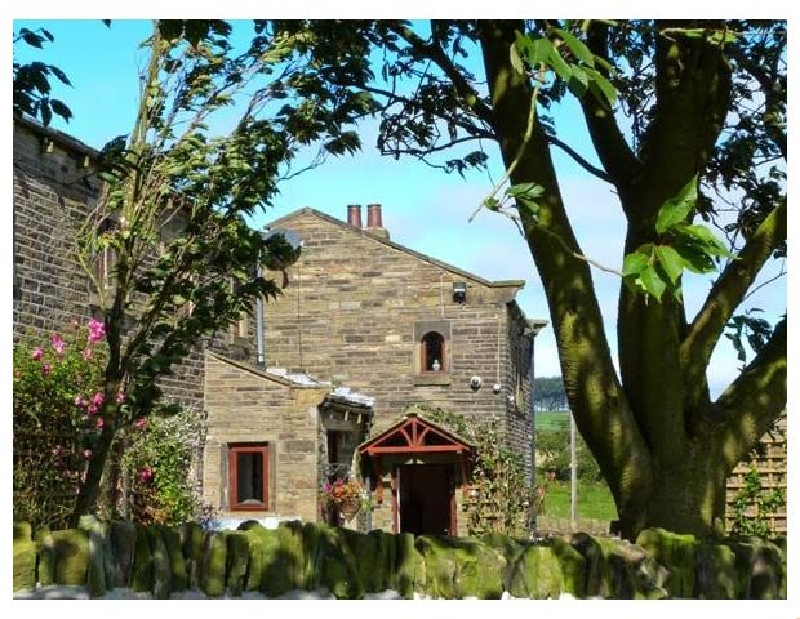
(426, 499)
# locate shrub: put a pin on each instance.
(57, 395)
(158, 460)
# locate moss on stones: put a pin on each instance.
(677, 553)
(573, 566)
(96, 576)
(162, 574)
(22, 531)
(715, 572)
(409, 566)
(215, 561)
(142, 570)
(46, 553)
(259, 540)
(238, 562)
(194, 544)
(24, 564)
(177, 564)
(123, 544)
(72, 557)
(282, 561)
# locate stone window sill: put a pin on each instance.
(422, 380)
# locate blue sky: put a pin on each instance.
(423, 208)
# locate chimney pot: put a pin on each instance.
(354, 215)
(374, 216)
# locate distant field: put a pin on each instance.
(594, 500)
(552, 420)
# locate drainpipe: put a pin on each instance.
(260, 315)
(534, 326)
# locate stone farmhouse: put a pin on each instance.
(322, 382)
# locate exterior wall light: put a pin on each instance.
(460, 292)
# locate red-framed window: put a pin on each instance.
(248, 476)
(432, 352)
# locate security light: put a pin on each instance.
(460, 292)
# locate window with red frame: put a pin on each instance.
(248, 477)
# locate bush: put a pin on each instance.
(552, 446)
(58, 390)
(158, 459)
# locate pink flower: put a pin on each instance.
(140, 424)
(87, 354)
(99, 423)
(97, 398)
(38, 354)
(120, 397)
(58, 343)
(92, 409)
(145, 474)
(87, 453)
(46, 369)
(78, 400)
(97, 331)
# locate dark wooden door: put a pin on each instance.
(426, 494)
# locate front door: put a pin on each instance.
(426, 496)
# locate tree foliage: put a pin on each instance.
(548, 393)
(687, 120)
(168, 291)
(32, 80)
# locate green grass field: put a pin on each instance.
(552, 420)
(594, 500)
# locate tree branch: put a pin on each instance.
(579, 159)
(727, 294)
(752, 403)
(771, 91)
(435, 52)
(615, 154)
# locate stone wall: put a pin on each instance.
(354, 306)
(165, 562)
(245, 405)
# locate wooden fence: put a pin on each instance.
(771, 466)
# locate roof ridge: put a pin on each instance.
(515, 283)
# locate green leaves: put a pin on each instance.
(656, 267)
(676, 209)
(576, 67)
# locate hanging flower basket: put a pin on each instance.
(349, 508)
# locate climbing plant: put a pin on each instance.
(501, 497)
(753, 504)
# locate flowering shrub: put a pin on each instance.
(57, 395)
(158, 460)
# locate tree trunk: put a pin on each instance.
(687, 497)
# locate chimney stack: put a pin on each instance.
(374, 216)
(375, 221)
(354, 215)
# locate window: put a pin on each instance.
(433, 352)
(248, 477)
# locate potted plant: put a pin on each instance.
(347, 497)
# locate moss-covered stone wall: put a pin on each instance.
(162, 561)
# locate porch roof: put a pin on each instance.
(415, 432)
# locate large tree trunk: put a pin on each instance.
(663, 447)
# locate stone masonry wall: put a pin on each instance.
(354, 307)
(245, 405)
(54, 191)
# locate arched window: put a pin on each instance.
(432, 352)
